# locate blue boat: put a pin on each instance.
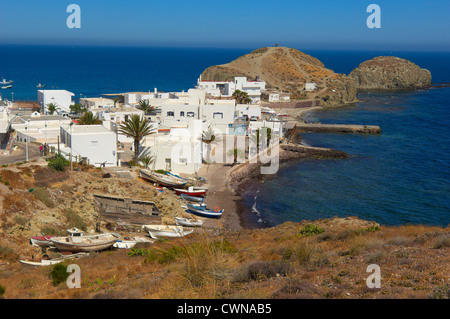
(208, 213)
(192, 198)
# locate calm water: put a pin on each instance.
(400, 176)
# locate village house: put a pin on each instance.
(96, 102)
(227, 88)
(62, 99)
(94, 142)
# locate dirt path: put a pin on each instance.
(220, 196)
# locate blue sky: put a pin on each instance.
(334, 24)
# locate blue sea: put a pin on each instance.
(399, 177)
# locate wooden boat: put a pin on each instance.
(50, 261)
(190, 222)
(191, 191)
(156, 231)
(161, 179)
(209, 213)
(200, 206)
(85, 243)
(128, 243)
(174, 175)
(192, 198)
(40, 85)
(45, 241)
(7, 87)
(41, 241)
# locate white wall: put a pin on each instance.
(61, 98)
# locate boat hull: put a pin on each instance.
(205, 213)
(188, 222)
(166, 231)
(67, 243)
(197, 193)
(192, 198)
(41, 241)
(162, 180)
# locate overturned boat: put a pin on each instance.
(190, 222)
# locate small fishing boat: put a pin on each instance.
(128, 243)
(7, 87)
(191, 191)
(46, 261)
(174, 175)
(192, 198)
(85, 243)
(190, 222)
(41, 241)
(40, 85)
(201, 206)
(162, 179)
(4, 82)
(156, 231)
(209, 213)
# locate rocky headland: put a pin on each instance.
(389, 73)
(288, 70)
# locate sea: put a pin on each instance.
(401, 176)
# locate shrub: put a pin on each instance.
(59, 274)
(42, 195)
(442, 242)
(261, 270)
(58, 163)
(372, 228)
(75, 220)
(2, 291)
(310, 230)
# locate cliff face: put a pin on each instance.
(388, 73)
(288, 70)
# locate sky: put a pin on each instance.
(314, 24)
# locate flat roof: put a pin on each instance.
(87, 129)
(54, 91)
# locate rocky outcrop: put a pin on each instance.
(288, 70)
(389, 73)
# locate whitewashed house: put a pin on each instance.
(227, 88)
(96, 102)
(248, 110)
(61, 98)
(94, 142)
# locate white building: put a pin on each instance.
(96, 102)
(39, 128)
(95, 142)
(310, 87)
(61, 98)
(227, 88)
(276, 96)
(248, 110)
(179, 150)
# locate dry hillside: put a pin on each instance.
(288, 70)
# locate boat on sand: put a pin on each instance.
(190, 222)
(85, 243)
(205, 212)
(156, 231)
(46, 261)
(162, 179)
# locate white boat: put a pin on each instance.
(85, 243)
(156, 231)
(50, 261)
(45, 240)
(130, 243)
(161, 179)
(40, 85)
(4, 82)
(191, 222)
(7, 87)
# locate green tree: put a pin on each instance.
(116, 99)
(209, 137)
(236, 153)
(88, 118)
(137, 128)
(77, 108)
(147, 160)
(51, 108)
(241, 97)
(145, 106)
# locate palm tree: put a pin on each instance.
(145, 106)
(241, 97)
(51, 108)
(208, 137)
(116, 99)
(147, 160)
(88, 118)
(136, 128)
(236, 153)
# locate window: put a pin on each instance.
(170, 113)
(190, 114)
(182, 113)
(217, 115)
